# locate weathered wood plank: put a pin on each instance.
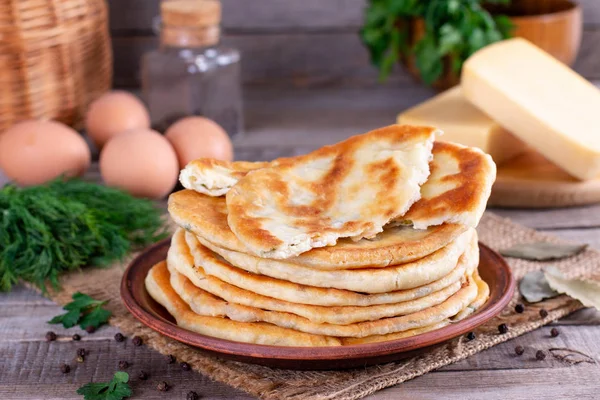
(298, 60)
(29, 366)
(578, 382)
(31, 370)
(588, 60)
(591, 12)
(275, 15)
(257, 16)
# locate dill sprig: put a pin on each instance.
(67, 224)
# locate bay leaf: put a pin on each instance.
(584, 290)
(534, 287)
(543, 251)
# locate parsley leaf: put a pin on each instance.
(454, 29)
(116, 389)
(83, 310)
(97, 317)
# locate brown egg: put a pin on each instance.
(197, 137)
(34, 152)
(114, 113)
(141, 162)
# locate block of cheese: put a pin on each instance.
(464, 123)
(540, 100)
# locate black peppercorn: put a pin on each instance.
(543, 313)
(137, 341)
(554, 332)
(81, 352)
(502, 328)
(519, 350)
(90, 329)
(142, 376)
(192, 396)
(519, 308)
(76, 337)
(162, 386)
(119, 337)
(50, 336)
(471, 336)
(170, 359)
(80, 359)
(123, 365)
(65, 368)
(185, 366)
(540, 355)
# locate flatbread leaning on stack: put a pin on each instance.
(368, 240)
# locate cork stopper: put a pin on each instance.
(190, 23)
(191, 13)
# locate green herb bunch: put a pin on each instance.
(453, 28)
(66, 224)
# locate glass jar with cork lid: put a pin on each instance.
(190, 73)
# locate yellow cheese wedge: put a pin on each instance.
(464, 123)
(540, 100)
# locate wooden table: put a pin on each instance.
(285, 124)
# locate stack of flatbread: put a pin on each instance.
(367, 240)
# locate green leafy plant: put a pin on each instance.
(454, 29)
(67, 224)
(83, 310)
(116, 389)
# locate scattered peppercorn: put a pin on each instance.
(170, 359)
(65, 368)
(543, 313)
(502, 328)
(90, 329)
(185, 366)
(162, 386)
(471, 336)
(137, 341)
(76, 337)
(192, 396)
(520, 308)
(540, 355)
(142, 376)
(50, 336)
(81, 352)
(519, 350)
(119, 337)
(554, 332)
(123, 365)
(80, 359)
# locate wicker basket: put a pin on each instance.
(55, 58)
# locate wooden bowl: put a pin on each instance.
(553, 25)
(556, 26)
(492, 268)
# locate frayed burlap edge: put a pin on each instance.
(268, 383)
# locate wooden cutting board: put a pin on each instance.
(531, 181)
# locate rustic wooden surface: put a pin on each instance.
(292, 123)
(294, 43)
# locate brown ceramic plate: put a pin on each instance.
(493, 269)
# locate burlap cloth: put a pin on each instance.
(268, 383)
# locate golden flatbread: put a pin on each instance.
(350, 189)
(216, 272)
(366, 280)
(180, 260)
(206, 217)
(159, 287)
